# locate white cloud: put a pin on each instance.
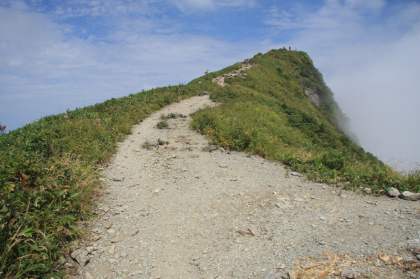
(212, 5)
(185, 5)
(46, 69)
(18, 5)
(371, 5)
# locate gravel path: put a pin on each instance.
(176, 211)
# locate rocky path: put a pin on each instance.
(184, 210)
(220, 80)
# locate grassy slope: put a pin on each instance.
(48, 169)
(268, 114)
(48, 175)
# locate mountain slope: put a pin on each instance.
(268, 113)
(49, 168)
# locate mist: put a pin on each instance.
(373, 70)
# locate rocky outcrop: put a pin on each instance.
(311, 93)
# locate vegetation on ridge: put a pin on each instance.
(49, 174)
(49, 168)
(269, 114)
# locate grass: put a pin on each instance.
(162, 124)
(49, 174)
(49, 168)
(268, 114)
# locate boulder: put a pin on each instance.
(407, 195)
(393, 192)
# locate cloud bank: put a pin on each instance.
(369, 57)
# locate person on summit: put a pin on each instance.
(290, 48)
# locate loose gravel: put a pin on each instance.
(174, 210)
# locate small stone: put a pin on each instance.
(96, 238)
(118, 179)
(294, 173)
(384, 257)
(80, 256)
(223, 166)
(88, 276)
(117, 239)
(90, 249)
(281, 266)
(111, 231)
(118, 210)
(253, 230)
(108, 226)
(407, 195)
(105, 209)
(194, 263)
(243, 231)
(393, 192)
(368, 190)
(418, 257)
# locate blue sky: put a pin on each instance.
(63, 54)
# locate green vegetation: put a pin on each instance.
(49, 169)
(269, 114)
(48, 176)
(162, 124)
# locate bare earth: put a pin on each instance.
(175, 211)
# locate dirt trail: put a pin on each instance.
(220, 80)
(176, 211)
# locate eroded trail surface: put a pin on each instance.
(177, 211)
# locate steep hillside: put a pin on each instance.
(284, 111)
(49, 168)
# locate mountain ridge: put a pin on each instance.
(50, 169)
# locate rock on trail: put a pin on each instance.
(183, 209)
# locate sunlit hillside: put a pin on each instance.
(282, 110)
